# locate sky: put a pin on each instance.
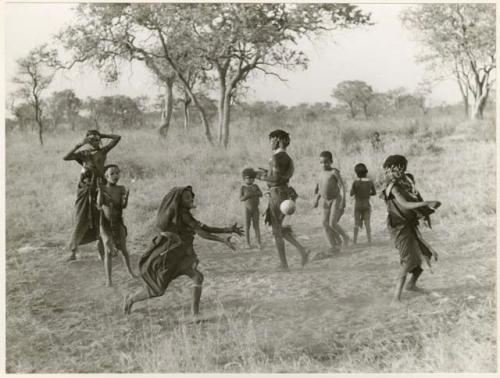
(383, 55)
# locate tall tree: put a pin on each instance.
(34, 75)
(355, 94)
(237, 39)
(63, 106)
(460, 37)
(153, 33)
(229, 40)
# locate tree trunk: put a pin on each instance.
(166, 114)
(353, 113)
(479, 104)
(186, 103)
(365, 110)
(38, 118)
(226, 118)
(465, 100)
(220, 107)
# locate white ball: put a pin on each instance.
(287, 207)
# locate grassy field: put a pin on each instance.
(332, 316)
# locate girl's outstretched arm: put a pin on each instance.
(412, 205)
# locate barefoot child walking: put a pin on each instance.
(112, 199)
(330, 187)
(361, 190)
(404, 207)
(171, 254)
(250, 194)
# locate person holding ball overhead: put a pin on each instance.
(277, 179)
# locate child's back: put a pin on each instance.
(362, 189)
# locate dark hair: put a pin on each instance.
(106, 167)
(326, 154)
(360, 170)
(249, 172)
(398, 161)
(93, 132)
(281, 135)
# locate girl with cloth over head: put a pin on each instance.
(405, 207)
(171, 253)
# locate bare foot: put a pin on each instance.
(282, 268)
(71, 258)
(415, 289)
(396, 302)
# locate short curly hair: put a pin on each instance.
(396, 161)
(249, 172)
(281, 135)
(360, 170)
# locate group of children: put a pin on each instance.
(101, 201)
(331, 190)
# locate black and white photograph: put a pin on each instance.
(243, 187)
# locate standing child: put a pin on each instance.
(281, 169)
(404, 209)
(250, 194)
(111, 200)
(331, 188)
(93, 159)
(171, 254)
(362, 189)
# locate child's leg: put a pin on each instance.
(100, 248)
(412, 283)
(121, 244)
(355, 233)
(290, 237)
(197, 278)
(279, 241)
(107, 267)
(108, 246)
(399, 287)
(329, 233)
(248, 219)
(366, 220)
(256, 227)
(72, 255)
(335, 215)
(139, 296)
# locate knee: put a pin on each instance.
(198, 279)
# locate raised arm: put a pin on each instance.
(72, 155)
(114, 141)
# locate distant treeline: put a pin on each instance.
(64, 110)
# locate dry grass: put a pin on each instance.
(332, 317)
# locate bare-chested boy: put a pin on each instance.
(250, 194)
(111, 200)
(331, 188)
(281, 169)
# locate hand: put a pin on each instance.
(315, 203)
(433, 204)
(127, 191)
(238, 230)
(435, 255)
(229, 243)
